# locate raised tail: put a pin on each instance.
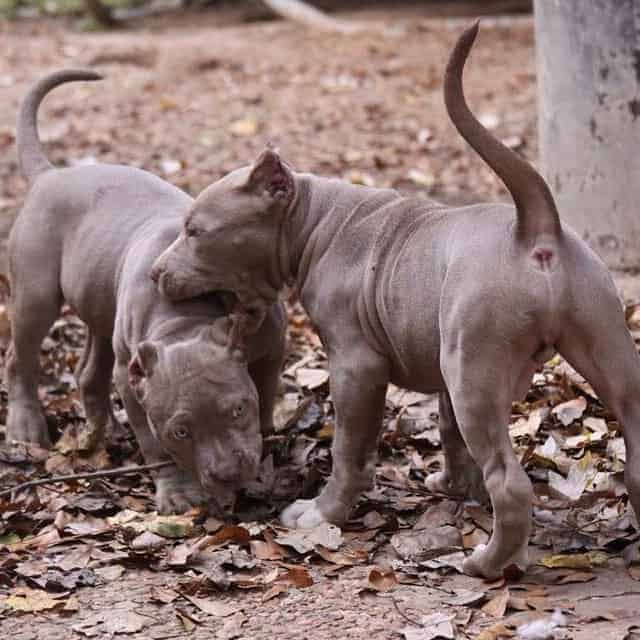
(536, 209)
(30, 153)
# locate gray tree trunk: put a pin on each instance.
(588, 55)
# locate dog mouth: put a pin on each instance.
(180, 289)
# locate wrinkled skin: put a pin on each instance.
(466, 302)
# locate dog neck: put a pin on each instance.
(320, 209)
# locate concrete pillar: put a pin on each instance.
(588, 54)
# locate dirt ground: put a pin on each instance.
(190, 98)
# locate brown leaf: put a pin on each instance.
(228, 533)
(297, 576)
(30, 600)
(274, 591)
(86, 525)
(187, 622)
(305, 540)
(426, 543)
(432, 627)
(570, 577)
(267, 550)
(213, 607)
(345, 558)
(382, 579)
(164, 595)
(110, 573)
(497, 606)
(148, 541)
(41, 541)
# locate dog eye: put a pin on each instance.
(181, 433)
(193, 232)
(238, 411)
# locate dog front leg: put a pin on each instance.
(358, 386)
(93, 375)
(265, 374)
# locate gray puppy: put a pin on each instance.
(466, 301)
(89, 235)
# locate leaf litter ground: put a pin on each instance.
(91, 559)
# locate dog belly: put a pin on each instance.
(419, 371)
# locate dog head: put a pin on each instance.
(231, 236)
(202, 405)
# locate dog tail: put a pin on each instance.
(536, 210)
(30, 153)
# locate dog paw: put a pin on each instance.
(482, 564)
(302, 514)
(177, 495)
(27, 426)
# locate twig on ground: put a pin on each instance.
(304, 13)
(108, 473)
(404, 615)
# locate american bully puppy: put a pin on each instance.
(464, 301)
(191, 388)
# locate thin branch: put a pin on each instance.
(108, 473)
(404, 615)
(304, 13)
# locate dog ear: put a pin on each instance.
(142, 366)
(270, 175)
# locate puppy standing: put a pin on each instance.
(89, 235)
(465, 301)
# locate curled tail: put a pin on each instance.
(30, 154)
(536, 210)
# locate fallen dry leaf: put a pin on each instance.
(107, 623)
(31, 600)
(435, 625)
(382, 579)
(267, 549)
(575, 561)
(427, 543)
(274, 591)
(345, 557)
(306, 540)
(497, 606)
(228, 533)
(171, 526)
(571, 577)
(312, 378)
(297, 576)
(569, 411)
(213, 607)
